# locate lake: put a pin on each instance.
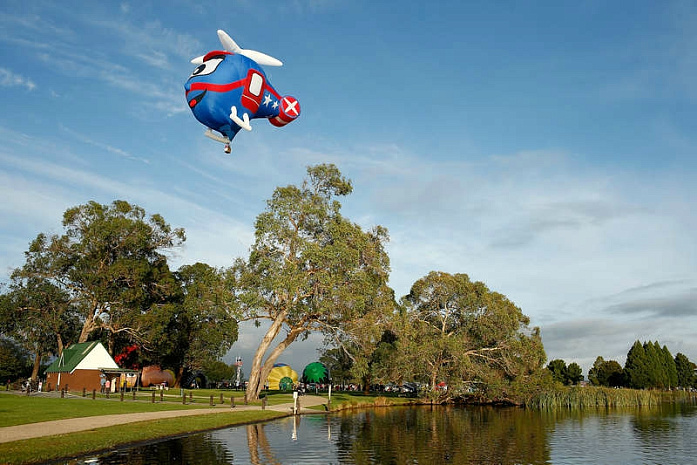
(665, 434)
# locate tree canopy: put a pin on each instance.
(459, 332)
(198, 327)
(567, 375)
(649, 365)
(38, 315)
(606, 373)
(107, 277)
(310, 269)
(109, 262)
(685, 371)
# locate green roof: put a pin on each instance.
(71, 357)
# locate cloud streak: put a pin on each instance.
(10, 79)
(681, 305)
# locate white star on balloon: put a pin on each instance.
(267, 100)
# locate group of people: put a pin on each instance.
(30, 385)
(105, 385)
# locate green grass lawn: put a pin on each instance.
(71, 445)
(20, 409)
(17, 410)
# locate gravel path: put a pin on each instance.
(73, 425)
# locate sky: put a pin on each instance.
(545, 148)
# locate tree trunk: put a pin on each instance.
(256, 380)
(59, 341)
(366, 384)
(111, 342)
(277, 351)
(87, 328)
(178, 378)
(37, 365)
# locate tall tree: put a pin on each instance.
(594, 372)
(464, 334)
(559, 370)
(655, 370)
(211, 310)
(686, 371)
(41, 317)
(339, 364)
(310, 269)
(574, 373)
(15, 361)
(606, 373)
(217, 371)
(671, 371)
(636, 369)
(110, 262)
(198, 327)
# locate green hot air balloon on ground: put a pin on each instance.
(315, 372)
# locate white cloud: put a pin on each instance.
(10, 79)
(104, 146)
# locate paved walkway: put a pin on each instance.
(73, 425)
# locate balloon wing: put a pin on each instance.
(261, 58)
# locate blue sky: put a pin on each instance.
(545, 148)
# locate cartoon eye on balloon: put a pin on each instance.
(229, 88)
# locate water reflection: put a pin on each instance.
(259, 448)
(443, 435)
(187, 450)
(426, 435)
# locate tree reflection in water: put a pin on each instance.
(447, 435)
(439, 434)
(258, 442)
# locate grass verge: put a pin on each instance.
(75, 444)
(18, 410)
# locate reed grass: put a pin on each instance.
(349, 401)
(576, 397)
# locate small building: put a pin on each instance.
(85, 365)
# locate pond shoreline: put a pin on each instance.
(158, 426)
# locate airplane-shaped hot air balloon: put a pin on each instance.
(228, 88)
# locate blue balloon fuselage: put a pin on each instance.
(227, 83)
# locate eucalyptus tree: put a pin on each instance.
(15, 360)
(469, 337)
(110, 262)
(311, 269)
(40, 316)
(196, 328)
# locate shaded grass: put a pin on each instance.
(75, 444)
